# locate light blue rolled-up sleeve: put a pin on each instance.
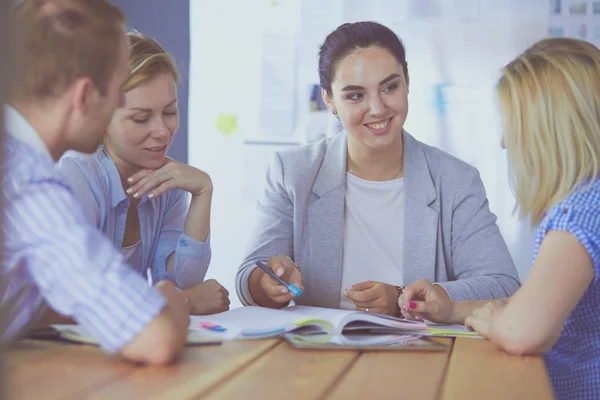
(191, 256)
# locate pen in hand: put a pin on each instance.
(295, 290)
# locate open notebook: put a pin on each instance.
(76, 333)
(258, 322)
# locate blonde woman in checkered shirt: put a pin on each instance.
(549, 98)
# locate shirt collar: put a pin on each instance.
(117, 194)
(17, 126)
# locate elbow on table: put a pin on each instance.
(159, 343)
(520, 344)
(163, 355)
(159, 356)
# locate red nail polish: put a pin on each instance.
(412, 305)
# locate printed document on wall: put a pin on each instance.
(277, 94)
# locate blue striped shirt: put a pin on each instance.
(53, 256)
(97, 184)
(573, 363)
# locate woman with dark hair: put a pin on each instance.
(372, 209)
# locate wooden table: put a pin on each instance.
(272, 369)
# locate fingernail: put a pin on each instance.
(284, 290)
(420, 319)
(130, 179)
(403, 309)
(345, 292)
(128, 191)
(150, 195)
(412, 305)
(136, 194)
(279, 271)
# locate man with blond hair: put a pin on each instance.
(68, 64)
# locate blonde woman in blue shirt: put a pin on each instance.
(138, 196)
(549, 98)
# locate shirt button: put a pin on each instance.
(565, 210)
(183, 243)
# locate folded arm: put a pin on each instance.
(533, 319)
(183, 253)
(80, 274)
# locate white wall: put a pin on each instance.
(224, 78)
(225, 73)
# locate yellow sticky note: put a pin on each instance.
(227, 124)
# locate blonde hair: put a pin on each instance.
(59, 41)
(550, 107)
(147, 59)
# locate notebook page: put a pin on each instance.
(334, 316)
(78, 333)
(443, 330)
(251, 321)
(339, 318)
(458, 328)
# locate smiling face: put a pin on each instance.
(142, 131)
(369, 94)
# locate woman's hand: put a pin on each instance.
(424, 300)
(284, 268)
(374, 297)
(208, 297)
(172, 175)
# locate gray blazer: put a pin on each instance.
(450, 235)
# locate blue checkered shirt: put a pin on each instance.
(573, 363)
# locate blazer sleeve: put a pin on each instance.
(272, 233)
(482, 267)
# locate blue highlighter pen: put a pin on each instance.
(290, 286)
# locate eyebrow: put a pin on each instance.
(350, 88)
(149, 109)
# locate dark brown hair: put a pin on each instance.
(358, 35)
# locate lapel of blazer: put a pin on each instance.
(420, 220)
(326, 226)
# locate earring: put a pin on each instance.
(334, 112)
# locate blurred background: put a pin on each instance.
(4, 79)
(250, 87)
